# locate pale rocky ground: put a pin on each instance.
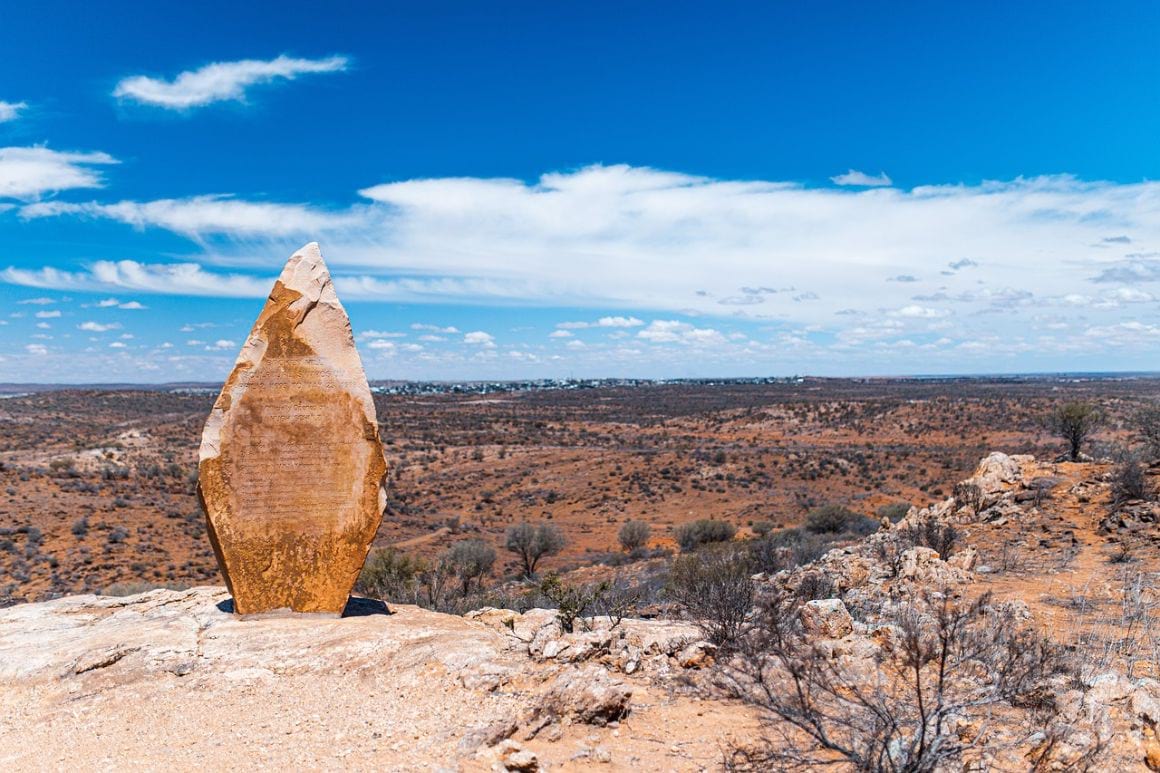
(169, 680)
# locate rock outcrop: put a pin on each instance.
(172, 679)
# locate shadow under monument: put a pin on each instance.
(356, 606)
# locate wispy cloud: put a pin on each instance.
(10, 111)
(27, 173)
(173, 278)
(861, 179)
(97, 327)
(201, 216)
(220, 81)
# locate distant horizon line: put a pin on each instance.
(11, 386)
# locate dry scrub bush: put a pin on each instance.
(572, 602)
(634, 536)
(1129, 479)
(715, 588)
(1119, 631)
(835, 519)
(968, 495)
(787, 548)
(952, 663)
(1147, 427)
(694, 534)
(931, 533)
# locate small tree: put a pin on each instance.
(531, 543)
(470, 559)
(1074, 422)
(634, 535)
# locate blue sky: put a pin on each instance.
(509, 190)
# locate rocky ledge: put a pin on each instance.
(173, 679)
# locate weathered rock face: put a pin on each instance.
(291, 468)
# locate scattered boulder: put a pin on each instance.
(587, 694)
(511, 756)
(699, 654)
(827, 617)
(965, 559)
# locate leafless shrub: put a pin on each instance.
(905, 713)
(1147, 426)
(931, 533)
(968, 494)
(1129, 479)
(715, 587)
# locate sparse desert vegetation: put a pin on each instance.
(816, 562)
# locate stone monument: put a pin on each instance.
(291, 472)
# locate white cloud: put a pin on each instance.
(170, 278)
(619, 322)
(663, 331)
(10, 111)
(27, 173)
(915, 311)
(381, 345)
(451, 329)
(220, 81)
(480, 338)
(602, 322)
(117, 345)
(652, 243)
(559, 334)
(47, 314)
(221, 344)
(369, 334)
(37, 301)
(201, 216)
(97, 327)
(854, 177)
(36, 349)
(113, 303)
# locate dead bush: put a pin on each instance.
(902, 712)
(715, 587)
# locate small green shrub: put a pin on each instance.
(694, 534)
(634, 536)
(835, 519)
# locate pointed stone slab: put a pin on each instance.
(291, 472)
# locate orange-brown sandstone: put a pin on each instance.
(291, 470)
